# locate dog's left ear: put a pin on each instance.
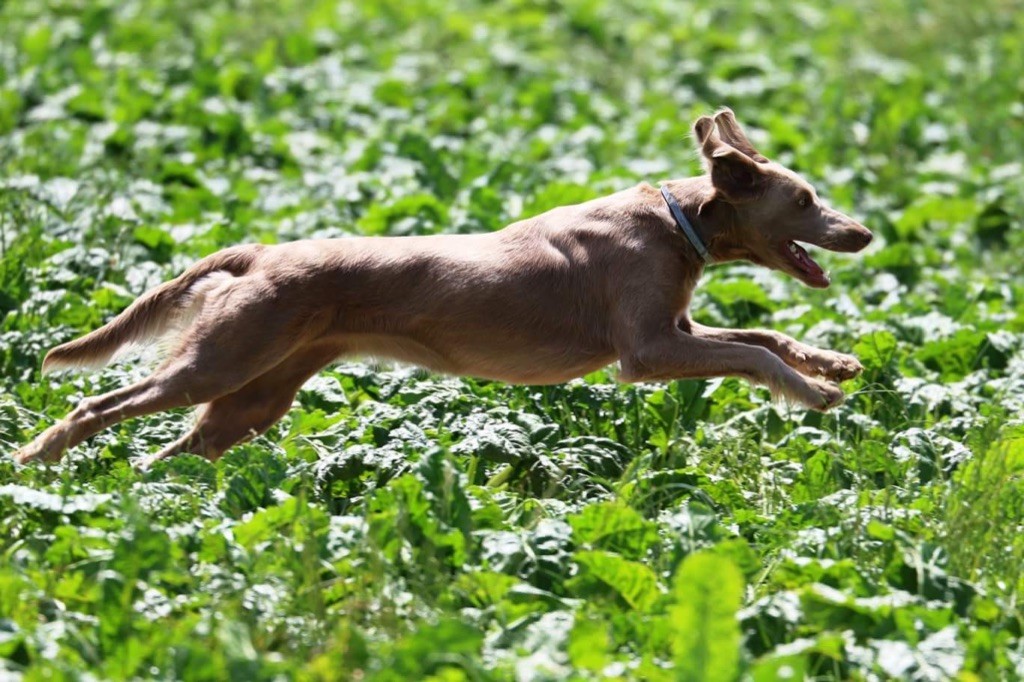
(730, 130)
(734, 174)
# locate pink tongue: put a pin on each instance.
(807, 261)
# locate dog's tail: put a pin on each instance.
(150, 315)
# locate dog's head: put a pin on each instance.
(771, 208)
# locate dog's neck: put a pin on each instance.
(705, 211)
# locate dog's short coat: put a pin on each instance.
(542, 301)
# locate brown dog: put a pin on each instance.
(542, 301)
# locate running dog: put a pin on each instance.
(541, 301)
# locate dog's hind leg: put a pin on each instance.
(222, 352)
(164, 390)
(253, 408)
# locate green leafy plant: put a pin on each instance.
(399, 525)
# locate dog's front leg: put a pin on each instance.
(800, 356)
(675, 354)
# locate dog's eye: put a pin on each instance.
(803, 201)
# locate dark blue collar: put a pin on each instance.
(684, 224)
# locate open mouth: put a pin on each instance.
(809, 271)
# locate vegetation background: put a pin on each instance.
(398, 525)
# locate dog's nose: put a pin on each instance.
(864, 238)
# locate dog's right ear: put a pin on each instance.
(734, 174)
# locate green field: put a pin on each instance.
(398, 525)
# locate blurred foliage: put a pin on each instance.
(403, 526)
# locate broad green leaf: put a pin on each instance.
(635, 583)
(616, 528)
(707, 594)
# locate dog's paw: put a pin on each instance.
(26, 454)
(824, 396)
(839, 367)
(45, 448)
(146, 462)
(832, 366)
(809, 392)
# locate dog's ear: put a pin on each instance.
(732, 133)
(734, 174)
